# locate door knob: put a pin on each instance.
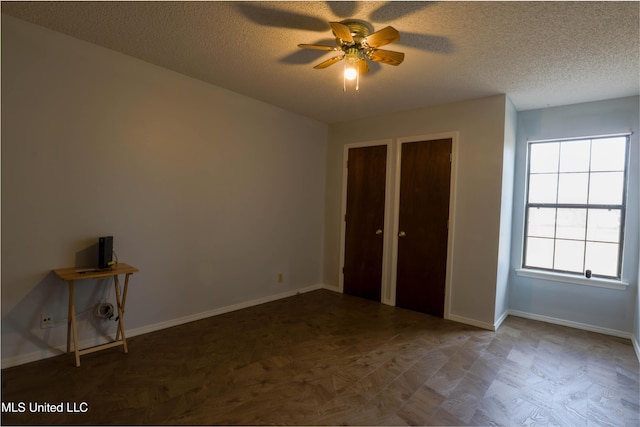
(402, 234)
(378, 231)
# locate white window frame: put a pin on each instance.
(572, 277)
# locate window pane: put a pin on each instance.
(543, 188)
(608, 154)
(539, 253)
(606, 188)
(544, 157)
(602, 258)
(573, 188)
(571, 224)
(574, 156)
(578, 188)
(604, 225)
(569, 256)
(541, 222)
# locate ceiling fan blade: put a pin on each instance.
(384, 36)
(364, 67)
(328, 62)
(317, 47)
(387, 56)
(341, 31)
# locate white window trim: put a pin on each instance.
(574, 279)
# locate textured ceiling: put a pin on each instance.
(538, 53)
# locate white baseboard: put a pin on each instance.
(472, 322)
(333, 288)
(56, 351)
(218, 311)
(636, 346)
(502, 318)
(571, 324)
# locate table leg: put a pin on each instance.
(124, 301)
(70, 309)
(120, 303)
(72, 316)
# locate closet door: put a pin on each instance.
(423, 225)
(366, 177)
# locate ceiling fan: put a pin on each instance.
(358, 44)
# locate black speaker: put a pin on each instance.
(105, 252)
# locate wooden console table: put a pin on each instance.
(70, 275)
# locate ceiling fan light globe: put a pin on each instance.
(350, 73)
(358, 44)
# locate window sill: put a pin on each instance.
(573, 279)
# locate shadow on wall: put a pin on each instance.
(21, 330)
(87, 257)
(22, 324)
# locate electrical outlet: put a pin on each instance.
(280, 278)
(46, 321)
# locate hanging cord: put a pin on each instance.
(115, 257)
(104, 310)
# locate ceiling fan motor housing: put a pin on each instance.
(356, 39)
(359, 31)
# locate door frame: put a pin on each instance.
(387, 232)
(452, 203)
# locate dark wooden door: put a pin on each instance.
(423, 225)
(364, 241)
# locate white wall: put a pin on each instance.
(504, 250)
(606, 310)
(636, 330)
(479, 193)
(209, 193)
(636, 327)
